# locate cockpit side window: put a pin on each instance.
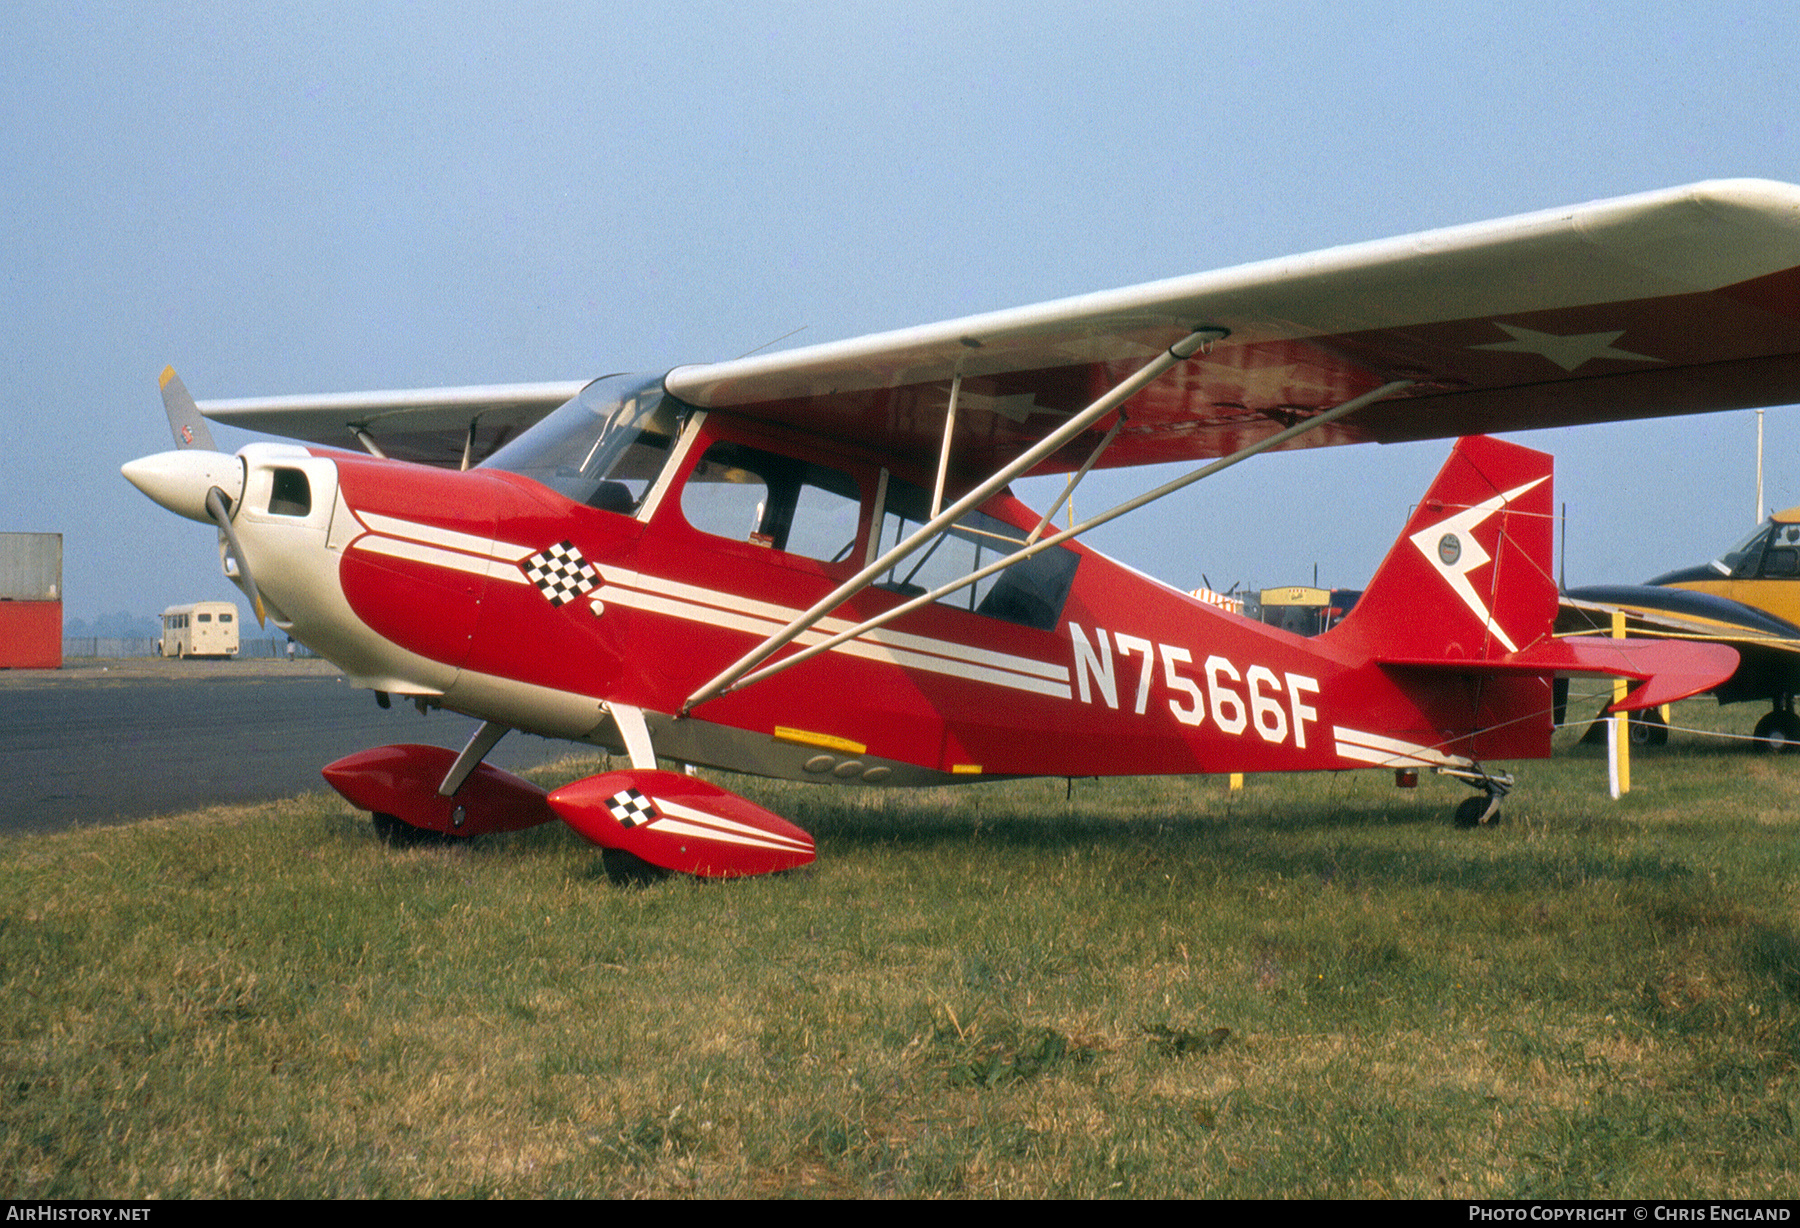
(1781, 557)
(604, 448)
(780, 502)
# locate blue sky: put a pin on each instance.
(294, 198)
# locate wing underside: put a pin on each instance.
(435, 426)
(1679, 301)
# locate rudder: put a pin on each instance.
(1470, 577)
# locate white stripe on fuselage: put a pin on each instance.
(476, 565)
(468, 543)
(465, 552)
(1390, 752)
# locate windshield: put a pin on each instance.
(603, 448)
(1744, 558)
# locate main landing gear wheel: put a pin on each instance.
(1478, 812)
(625, 869)
(1649, 729)
(1778, 732)
(397, 833)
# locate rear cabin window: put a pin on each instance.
(1030, 593)
(778, 502)
(1781, 559)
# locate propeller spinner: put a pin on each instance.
(196, 480)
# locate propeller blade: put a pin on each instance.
(215, 506)
(185, 419)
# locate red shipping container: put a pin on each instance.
(31, 634)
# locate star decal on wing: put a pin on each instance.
(1567, 352)
(1016, 407)
(1450, 547)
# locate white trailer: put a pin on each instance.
(203, 629)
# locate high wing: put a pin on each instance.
(1678, 301)
(436, 426)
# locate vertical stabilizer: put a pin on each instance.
(1470, 577)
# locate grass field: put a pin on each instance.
(1314, 987)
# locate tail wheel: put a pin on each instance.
(1474, 812)
(1778, 732)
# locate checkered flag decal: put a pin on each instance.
(560, 573)
(631, 807)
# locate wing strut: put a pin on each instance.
(1131, 505)
(1121, 392)
(1068, 491)
(469, 443)
(937, 489)
(368, 441)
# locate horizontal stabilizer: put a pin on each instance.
(681, 823)
(1667, 670)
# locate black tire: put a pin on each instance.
(1778, 732)
(629, 870)
(1649, 729)
(397, 833)
(1469, 813)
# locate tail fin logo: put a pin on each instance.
(1450, 546)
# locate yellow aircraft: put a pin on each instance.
(1759, 571)
(1762, 572)
(1768, 649)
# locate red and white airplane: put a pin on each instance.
(809, 565)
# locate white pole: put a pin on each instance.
(1759, 494)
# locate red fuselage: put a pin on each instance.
(518, 592)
